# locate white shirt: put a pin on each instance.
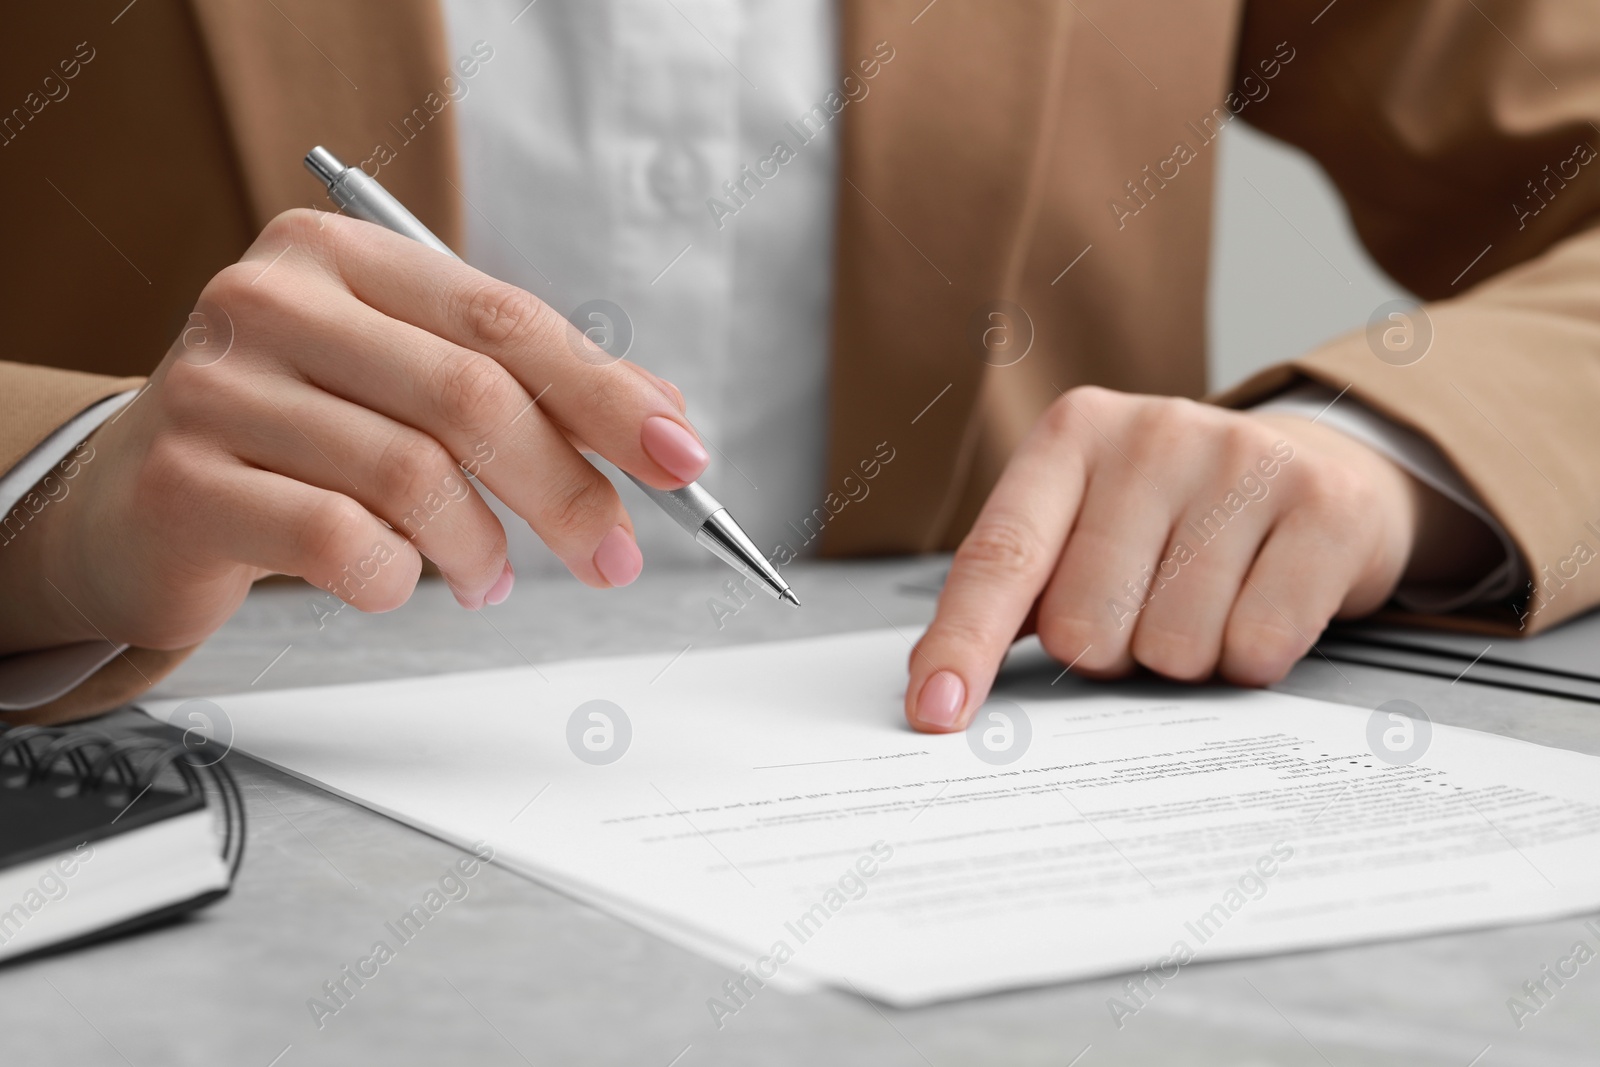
(591, 143)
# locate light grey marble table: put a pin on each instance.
(516, 973)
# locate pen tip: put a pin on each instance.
(788, 594)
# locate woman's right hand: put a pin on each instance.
(315, 419)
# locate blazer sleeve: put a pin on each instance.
(34, 402)
(1464, 140)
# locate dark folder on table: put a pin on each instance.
(100, 834)
(1563, 662)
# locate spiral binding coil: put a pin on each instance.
(121, 768)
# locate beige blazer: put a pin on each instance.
(1006, 141)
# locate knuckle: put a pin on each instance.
(1180, 654)
(600, 392)
(954, 638)
(616, 395)
(1335, 489)
(1261, 651)
(297, 225)
(248, 290)
(297, 228)
(1150, 413)
(575, 504)
(230, 282)
(1002, 545)
(411, 466)
(467, 390)
(1060, 419)
(1161, 428)
(1246, 440)
(1092, 398)
(1077, 408)
(1067, 637)
(329, 532)
(167, 476)
(497, 314)
(190, 398)
(492, 547)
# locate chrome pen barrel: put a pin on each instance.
(361, 197)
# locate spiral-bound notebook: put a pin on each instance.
(101, 833)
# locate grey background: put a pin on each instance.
(1287, 269)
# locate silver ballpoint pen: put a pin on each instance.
(697, 511)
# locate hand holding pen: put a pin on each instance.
(691, 507)
(318, 416)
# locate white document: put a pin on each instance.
(770, 808)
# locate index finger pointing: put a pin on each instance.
(1001, 567)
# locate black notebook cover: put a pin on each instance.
(62, 787)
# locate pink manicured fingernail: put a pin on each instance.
(939, 703)
(618, 559)
(501, 588)
(673, 447)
